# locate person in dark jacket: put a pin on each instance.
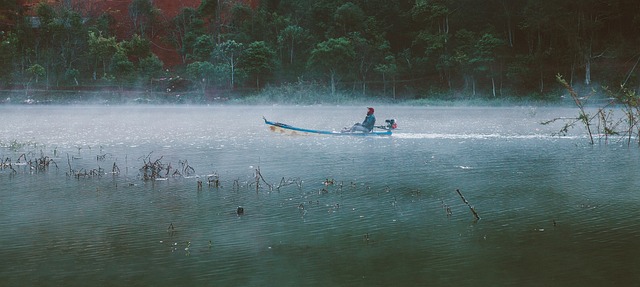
(366, 125)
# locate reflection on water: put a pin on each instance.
(359, 211)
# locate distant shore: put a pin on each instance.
(126, 97)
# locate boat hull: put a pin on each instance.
(291, 130)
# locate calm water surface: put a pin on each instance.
(555, 211)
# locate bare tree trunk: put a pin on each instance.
(394, 88)
(541, 81)
(233, 66)
(473, 85)
(291, 51)
(384, 85)
(587, 70)
(364, 85)
(493, 85)
(333, 83)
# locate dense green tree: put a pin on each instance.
(389, 71)
(104, 25)
(202, 73)
(202, 48)
(137, 48)
(102, 50)
(150, 67)
(485, 58)
(122, 70)
(258, 61)
(9, 11)
(71, 76)
(494, 47)
(143, 15)
(293, 39)
(186, 27)
(208, 9)
(476, 56)
(367, 54)
(333, 57)
(35, 72)
(349, 18)
(61, 42)
(8, 52)
(227, 54)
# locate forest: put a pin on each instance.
(362, 48)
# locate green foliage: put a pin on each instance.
(150, 67)
(258, 60)
(8, 52)
(36, 71)
(208, 8)
(137, 47)
(371, 47)
(104, 24)
(293, 39)
(335, 54)
(121, 68)
(349, 18)
(143, 14)
(227, 54)
(71, 76)
(202, 48)
(102, 50)
(201, 72)
(185, 29)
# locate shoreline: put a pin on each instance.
(145, 97)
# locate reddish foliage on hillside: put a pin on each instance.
(119, 9)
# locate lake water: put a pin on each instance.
(327, 211)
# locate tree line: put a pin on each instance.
(395, 49)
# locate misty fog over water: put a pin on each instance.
(373, 211)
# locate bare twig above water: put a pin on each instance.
(259, 177)
(285, 182)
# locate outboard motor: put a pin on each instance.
(391, 124)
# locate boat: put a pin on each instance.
(292, 130)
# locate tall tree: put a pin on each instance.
(388, 69)
(185, 29)
(102, 50)
(202, 48)
(8, 53)
(122, 70)
(293, 37)
(333, 56)
(258, 60)
(431, 44)
(143, 14)
(228, 53)
(349, 17)
(202, 73)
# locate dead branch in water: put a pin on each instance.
(115, 169)
(151, 170)
(259, 177)
(187, 170)
(289, 181)
(42, 163)
(214, 180)
(236, 185)
(473, 210)
(6, 163)
(82, 173)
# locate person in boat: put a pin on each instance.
(366, 125)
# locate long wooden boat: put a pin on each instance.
(291, 130)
